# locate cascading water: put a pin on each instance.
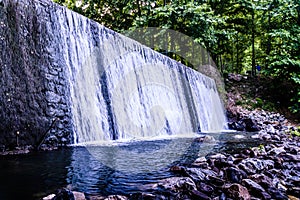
(121, 89)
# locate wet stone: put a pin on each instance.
(199, 195)
(203, 187)
(177, 184)
(255, 189)
(64, 194)
(235, 175)
(196, 174)
(79, 195)
(295, 191)
(237, 191)
(277, 194)
(262, 180)
(255, 165)
(116, 197)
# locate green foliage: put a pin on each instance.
(296, 132)
(239, 34)
(259, 102)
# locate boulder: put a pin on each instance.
(255, 165)
(295, 191)
(116, 197)
(255, 189)
(277, 194)
(196, 174)
(235, 175)
(64, 194)
(49, 197)
(250, 125)
(205, 188)
(79, 195)
(177, 184)
(144, 196)
(270, 129)
(199, 195)
(237, 192)
(262, 180)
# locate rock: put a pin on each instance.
(275, 137)
(52, 139)
(255, 189)
(281, 187)
(295, 180)
(201, 162)
(205, 188)
(276, 151)
(253, 186)
(235, 175)
(79, 195)
(236, 126)
(264, 135)
(199, 195)
(255, 136)
(250, 125)
(277, 194)
(116, 197)
(96, 197)
(52, 97)
(64, 140)
(291, 157)
(277, 162)
(143, 196)
(292, 197)
(222, 163)
(239, 137)
(177, 184)
(295, 191)
(49, 197)
(177, 169)
(255, 165)
(196, 174)
(200, 159)
(222, 196)
(270, 129)
(217, 182)
(262, 180)
(64, 194)
(217, 156)
(237, 191)
(209, 139)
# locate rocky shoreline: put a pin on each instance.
(269, 171)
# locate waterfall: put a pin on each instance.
(68, 76)
(121, 89)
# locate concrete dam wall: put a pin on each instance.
(67, 79)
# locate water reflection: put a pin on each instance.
(31, 176)
(111, 169)
(36, 175)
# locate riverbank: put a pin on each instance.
(270, 170)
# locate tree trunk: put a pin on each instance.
(253, 73)
(221, 65)
(139, 7)
(237, 53)
(269, 40)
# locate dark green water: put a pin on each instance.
(119, 168)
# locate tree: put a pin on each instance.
(238, 34)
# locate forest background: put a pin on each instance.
(240, 35)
